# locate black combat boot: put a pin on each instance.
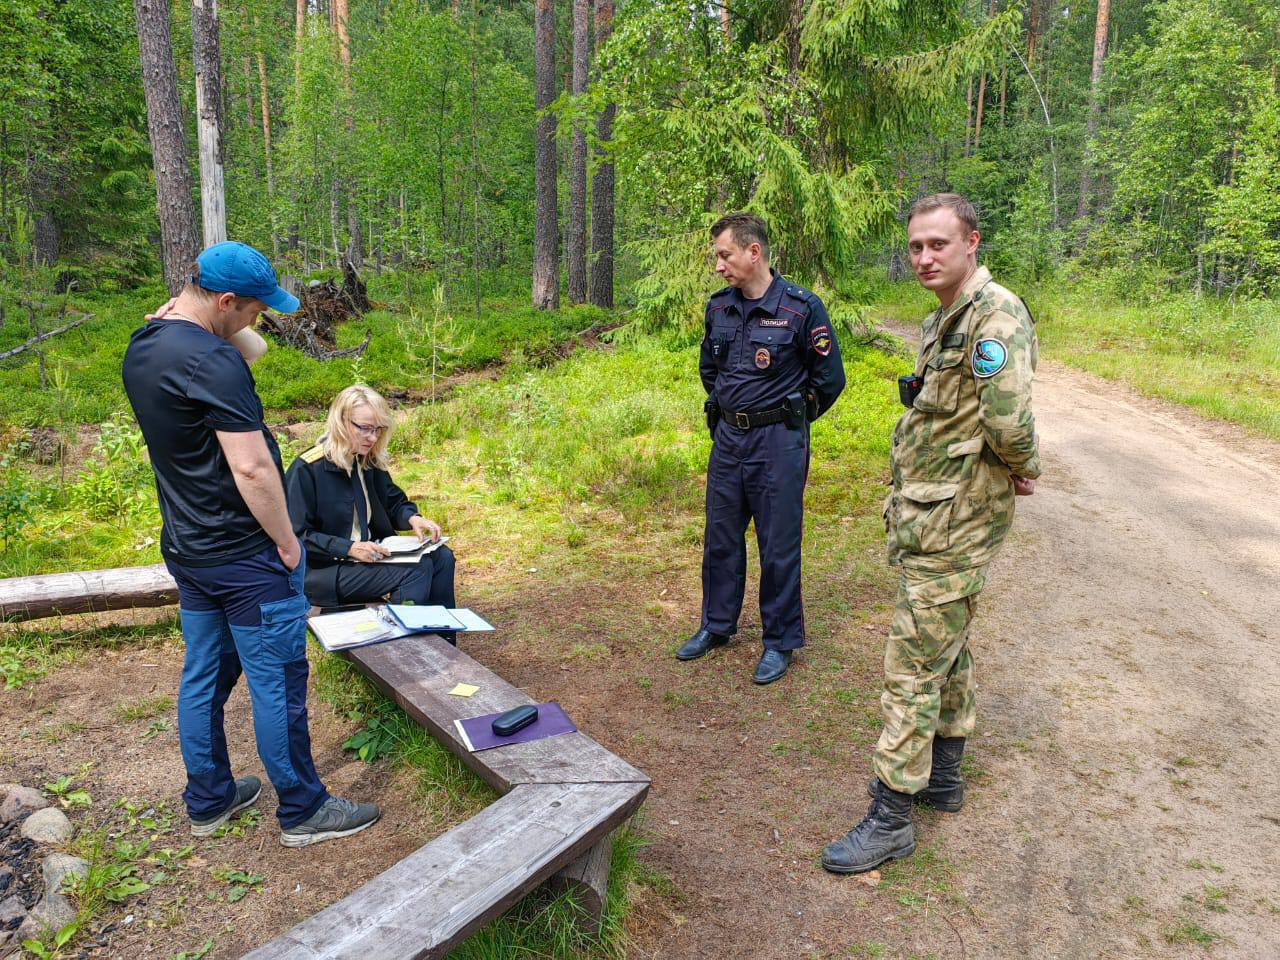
(945, 791)
(884, 834)
(946, 788)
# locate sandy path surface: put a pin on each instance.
(1131, 692)
(1125, 797)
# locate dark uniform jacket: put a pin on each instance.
(751, 363)
(322, 497)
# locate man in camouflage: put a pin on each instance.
(962, 450)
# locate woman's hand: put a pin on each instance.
(424, 528)
(368, 551)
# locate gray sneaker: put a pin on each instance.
(247, 790)
(337, 818)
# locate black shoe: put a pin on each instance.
(773, 664)
(247, 790)
(700, 644)
(945, 791)
(885, 833)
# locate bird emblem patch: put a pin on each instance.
(989, 358)
(820, 337)
(762, 358)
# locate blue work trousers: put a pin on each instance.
(757, 474)
(246, 616)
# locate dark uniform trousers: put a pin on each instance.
(757, 356)
(429, 581)
(758, 473)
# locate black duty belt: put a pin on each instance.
(745, 421)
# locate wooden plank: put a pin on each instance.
(54, 594)
(439, 895)
(419, 671)
(587, 878)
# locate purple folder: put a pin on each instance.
(477, 732)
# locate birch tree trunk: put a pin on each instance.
(264, 97)
(602, 183)
(546, 259)
(578, 162)
(178, 241)
(206, 57)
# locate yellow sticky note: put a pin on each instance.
(463, 690)
(367, 626)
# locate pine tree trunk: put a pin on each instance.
(602, 182)
(724, 19)
(178, 241)
(299, 32)
(474, 66)
(982, 93)
(1101, 26)
(968, 118)
(1004, 86)
(206, 58)
(546, 259)
(340, 25)
(1033, 24)
(578, 161)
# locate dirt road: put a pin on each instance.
(1125, 795)
(1131, 687)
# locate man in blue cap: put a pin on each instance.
(230, 546)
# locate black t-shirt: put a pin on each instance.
(184, 383)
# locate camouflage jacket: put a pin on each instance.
(955, 449)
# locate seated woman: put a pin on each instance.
(342, 500)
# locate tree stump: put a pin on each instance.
(324, 304)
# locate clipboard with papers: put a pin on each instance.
(389, 621)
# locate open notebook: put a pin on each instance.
(356, 628)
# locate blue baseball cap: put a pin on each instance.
(231, 267)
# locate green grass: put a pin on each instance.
(143, 709)
(289, 382)
(1217, 356)
(590, 470)
(1190, 932)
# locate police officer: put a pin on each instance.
(770, 365)
(963, 449)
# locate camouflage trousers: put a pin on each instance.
(928, 682)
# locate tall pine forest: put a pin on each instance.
(579, 149)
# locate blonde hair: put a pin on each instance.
(338, 441)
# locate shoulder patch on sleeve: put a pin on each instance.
(820, 338)
(989, 358)
(312, 455)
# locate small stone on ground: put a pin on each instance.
(52, 913)
(20, 801)
(49, 825)
(57, 866)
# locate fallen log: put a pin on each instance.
(14, 351)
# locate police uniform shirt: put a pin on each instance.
(756, 353)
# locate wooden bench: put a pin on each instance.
(562, 796)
